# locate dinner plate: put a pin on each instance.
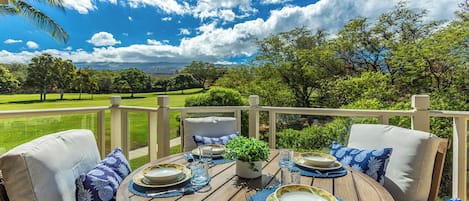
(297, 192)
(139, 178)
(218, 151)
(299, 161)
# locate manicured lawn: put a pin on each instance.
(16, 131)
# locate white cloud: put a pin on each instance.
(149, 33)
(166, 19)
(32, 45)
(223, 9)
(81, 6)
(227, 15)
(183, 31)
(125, 34)
(103, 39)
(168, 6)
(11, 41)
(130, 18)
(153, 42)
(215, 44)
(274, 1)
(69, 48)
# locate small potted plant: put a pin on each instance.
(249, 154)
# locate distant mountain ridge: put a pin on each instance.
(152, 68)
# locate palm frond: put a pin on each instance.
(43, 21)
(7, 10)
(53, 3)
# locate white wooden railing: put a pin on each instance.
(159, 133)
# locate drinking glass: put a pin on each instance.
(286, 157)
(295, 175)
(200, 174)
(205, 153)
(285, 162)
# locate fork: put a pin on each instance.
(183, 190)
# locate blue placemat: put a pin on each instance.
(322, 174)
(216, 161)
(177, 190)
(262, 195)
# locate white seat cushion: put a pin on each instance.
(207, 126)
(46, 168)
(409, 172)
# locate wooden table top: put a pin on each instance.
(225, 185)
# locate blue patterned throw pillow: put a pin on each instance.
(117, 162)
(371, 162)
(199, 140)
(99, 184)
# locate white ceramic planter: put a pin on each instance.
(243, 170)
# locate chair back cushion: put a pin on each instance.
(409, 172)
(46, 168)
(208, 127)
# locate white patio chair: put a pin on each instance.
(45, 169)
(416, 163)
(205, 126)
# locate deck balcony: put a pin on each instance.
(112, 126)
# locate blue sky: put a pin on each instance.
(180, 31)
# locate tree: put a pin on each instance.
(203, 72)
(64, 74)
(40, 74)
(44, 22)
(8, 83)
(183, 81)
(85, 81)
(133, 80)
(163, 84)
(302, 61)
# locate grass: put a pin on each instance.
(15, 131)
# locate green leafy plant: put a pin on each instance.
(248, 150)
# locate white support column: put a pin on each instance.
(272, 129)
(115, 122)
(253, 116)
(421, 117)
(163, 126)
(125, 136)
(460, 157)
(384, 119)
(239, 120)
(181, 128)
(152, 136)
(101, 133)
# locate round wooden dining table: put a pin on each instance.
(226, 185)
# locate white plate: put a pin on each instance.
(140, 179)
(299, 161)
(218, 151)
(302, 192)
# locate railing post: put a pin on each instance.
(115, 122)
(254, 116)
(272, 129)
(152, 136)
(421, 117)
(459, 157)
(163, 126)
(125, 133)
(101, 133)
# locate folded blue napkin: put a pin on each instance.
(321, 173)
(215, 161)
(262, 195)
(173, 191)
